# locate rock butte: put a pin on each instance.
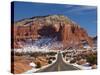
(67, 32)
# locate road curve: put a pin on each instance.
(59, 65)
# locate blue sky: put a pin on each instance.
(85, 16)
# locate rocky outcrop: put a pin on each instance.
(67, 32)
(73, 36)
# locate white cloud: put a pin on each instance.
(80, 9)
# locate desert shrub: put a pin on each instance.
(18, 54)
(27, 53)
(66, 59)
(33, 54)
(78, 58)
(51, 53)
(73, 61)
(38, 65)
(92, 59)
(64, 54)
(53, 58)
(49, 62)
(50, 58)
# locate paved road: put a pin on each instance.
(59, 65)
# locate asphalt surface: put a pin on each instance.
(59, 65)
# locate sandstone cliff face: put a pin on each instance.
(73, 35)
(67, 32)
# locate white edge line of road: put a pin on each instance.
(77, 67)
(33, 71)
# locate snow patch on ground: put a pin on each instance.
(32, 64)
(35, 69)
(81, 67)
(41, 45)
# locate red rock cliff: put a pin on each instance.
(68, 32)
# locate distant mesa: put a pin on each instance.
(69, 33)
